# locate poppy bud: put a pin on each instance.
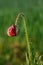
(12, 30)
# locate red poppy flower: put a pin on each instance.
(12, 30)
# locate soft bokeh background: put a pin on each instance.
(33, 11)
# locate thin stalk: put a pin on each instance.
(25, 28)
(19, 15)
(28, 44)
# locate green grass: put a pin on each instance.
(33, 11)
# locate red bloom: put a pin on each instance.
(12, 30)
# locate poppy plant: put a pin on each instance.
(13, 31)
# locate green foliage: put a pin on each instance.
(33, 10)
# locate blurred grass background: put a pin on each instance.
(33, 11)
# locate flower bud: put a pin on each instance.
(12, 30)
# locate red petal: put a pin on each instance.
(11, 31)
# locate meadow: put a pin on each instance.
(12, 49)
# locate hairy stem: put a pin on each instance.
(28, 44)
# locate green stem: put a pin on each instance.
(28, 44)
